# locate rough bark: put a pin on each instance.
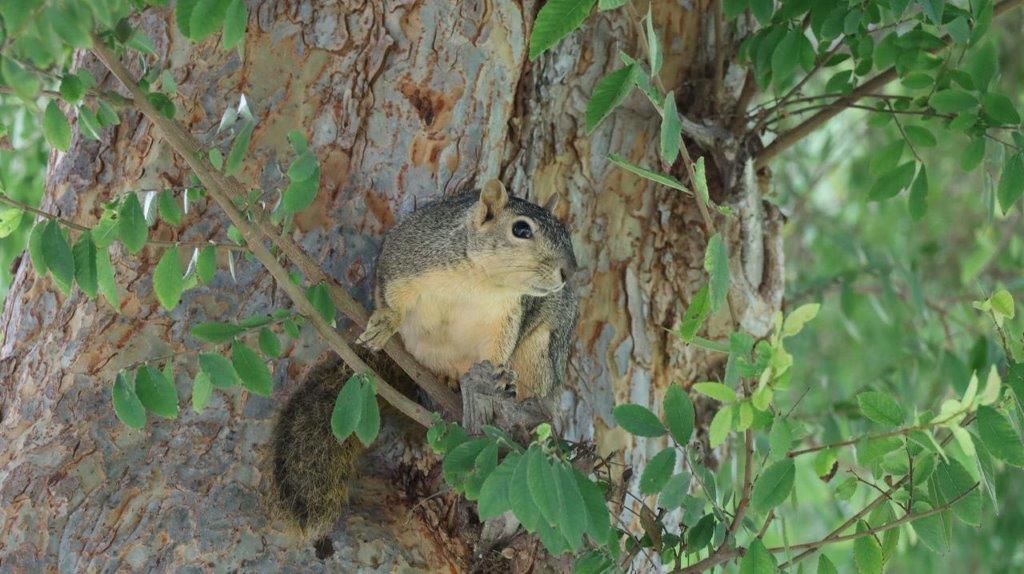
(402, 101)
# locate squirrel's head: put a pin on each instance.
(519, 244)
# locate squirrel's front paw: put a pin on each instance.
(505, 380)
(381, 326)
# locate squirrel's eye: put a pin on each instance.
(522, 230)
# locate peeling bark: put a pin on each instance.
(403, 101)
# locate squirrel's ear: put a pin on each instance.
(551, 202)
(493, 198)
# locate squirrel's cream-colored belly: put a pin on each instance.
(449, 324)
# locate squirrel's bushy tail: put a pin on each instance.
(311, 469)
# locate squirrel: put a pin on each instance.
(479, 276)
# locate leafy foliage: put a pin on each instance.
(917, 424)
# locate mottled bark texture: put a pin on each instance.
(403, 101)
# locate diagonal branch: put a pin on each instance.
(79, 227)
(222, 189)
(787, 139)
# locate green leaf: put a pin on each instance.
(270, 345)
(786, 57)
(1011, 183)
(58, 256)
(933, 9)
(917, 201)
(252, 371)
(239, 146)
(556, 20)
(131, 224)
(758, 560)
(999, 436)
(762, 10)
(671, 129)
(717, 391)
(216, 332)
(162, 103)
(88, 125)
(674, 492)
(202, 388)
(222, 374)
(348, 408)
(920, 136)
(773, 485)
(35, 248)
(320, 297)
(23, 83)
(696, 313)
(646, 173)
(892, 182)
(127, 406)
(780, 438)
(653, 45)
(168, 207)
(1002, 303)
(951, 101)
(207, 16)
(881, 408)
(541, 479)
(796, 320)
(716, 262)
(156, 392)
(638, 420)
(610, 4)
(1000, 108)
(235, 19)
(206, 263)
(700, 535)
(867, 553)
(952, 480)
(572, 514)
(608, 94)
(720, 426)
(300, 193)
(930, 530)
(658, 471)
(216, 159)
(105, 279)
(917, 81)
(598, 517)
(493, 499)
(825, 565)
(167, 280)
(519, 497)
(733, 8)
(105, 232)
(71, 88)
(369, 421)
(84, 253)
(56, 127)
(679, 414)
(303, 167)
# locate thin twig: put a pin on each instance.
(787, 139)
(81, 228)
(811, 546)
(221, 190)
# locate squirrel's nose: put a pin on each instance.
(563, 274)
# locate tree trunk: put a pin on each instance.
(402, 103)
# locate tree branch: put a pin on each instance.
(811, 546)
(221, 189)
(787, 139)
(79, 227)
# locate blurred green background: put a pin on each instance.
(896, 296)
(896, 313)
